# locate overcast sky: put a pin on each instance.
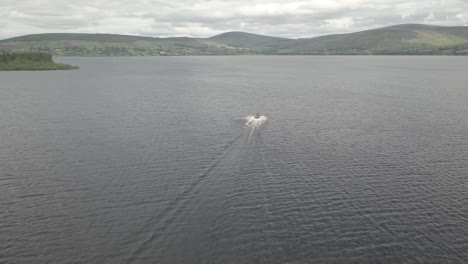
(198, 18)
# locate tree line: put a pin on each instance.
(6, 57)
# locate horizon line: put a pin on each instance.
(234, 31)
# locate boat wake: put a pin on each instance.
(254, 124)
(252, 121)
(154, 231)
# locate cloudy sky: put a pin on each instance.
(203, 18)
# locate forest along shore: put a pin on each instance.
(30, 61)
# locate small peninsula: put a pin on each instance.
(30, 61)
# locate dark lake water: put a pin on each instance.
(150, 160)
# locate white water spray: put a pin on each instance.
(254, 123)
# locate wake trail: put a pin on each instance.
(266, 201)
(230, 151)
(254, 125)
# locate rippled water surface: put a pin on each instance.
(152, 160)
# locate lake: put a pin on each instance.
(357, 159)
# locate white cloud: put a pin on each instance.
(341, 23)
(202, 18)
(463, 17)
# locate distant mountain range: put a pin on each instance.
(406, 39)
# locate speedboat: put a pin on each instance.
(256, 119)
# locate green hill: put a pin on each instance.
(409, 39)
(64, 44)
(400, 39)
(254, 42)
(78, 37)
